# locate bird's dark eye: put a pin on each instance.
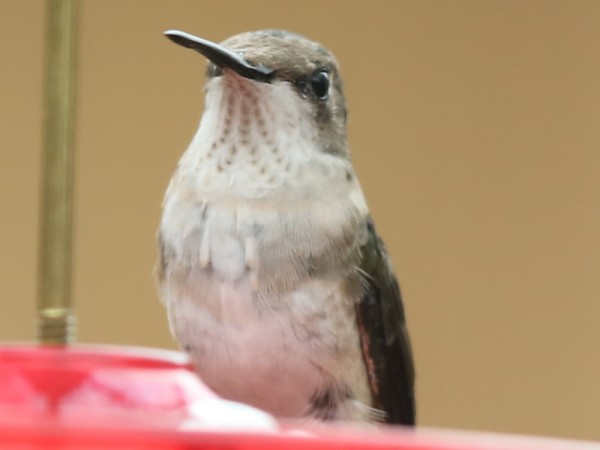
(319, 82)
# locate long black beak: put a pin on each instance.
(222, 56)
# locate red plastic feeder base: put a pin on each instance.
(124, 398)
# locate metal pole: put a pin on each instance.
(55, 316)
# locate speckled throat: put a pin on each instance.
(253, 137)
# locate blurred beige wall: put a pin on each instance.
(475, 129)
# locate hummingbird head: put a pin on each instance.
(272, 88)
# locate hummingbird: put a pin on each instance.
(273, 276)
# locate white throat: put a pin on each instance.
(253, 137)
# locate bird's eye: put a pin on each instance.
(319, 82)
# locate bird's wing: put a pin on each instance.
(384, 338)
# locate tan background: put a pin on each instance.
(475, 132)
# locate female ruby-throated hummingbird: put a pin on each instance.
(273, 276)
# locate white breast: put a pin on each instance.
(259, 327)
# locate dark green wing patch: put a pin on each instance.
(384, 338)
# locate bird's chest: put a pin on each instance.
(267, 246)
(261, 289)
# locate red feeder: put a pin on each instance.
(124, 398)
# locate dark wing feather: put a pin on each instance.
(384, 338)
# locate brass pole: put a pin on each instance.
(55, 317)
